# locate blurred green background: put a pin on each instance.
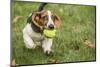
(75, 39)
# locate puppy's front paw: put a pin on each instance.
(49, 53)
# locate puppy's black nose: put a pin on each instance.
(51, 26)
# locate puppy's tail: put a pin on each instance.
(41, 7)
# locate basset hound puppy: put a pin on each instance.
(33, 31)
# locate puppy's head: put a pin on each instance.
(46, 19)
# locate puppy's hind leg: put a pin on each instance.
(28, 41)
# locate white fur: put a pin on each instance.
(31, 38)
(50, 20)
(47, 44)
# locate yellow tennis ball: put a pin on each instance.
(49, 33)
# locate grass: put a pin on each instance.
(77, 25)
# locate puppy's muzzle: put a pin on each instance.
(51, 26)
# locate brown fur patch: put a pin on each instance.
(57, 21)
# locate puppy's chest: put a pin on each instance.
(34, 35)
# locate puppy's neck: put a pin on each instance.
(35, 28)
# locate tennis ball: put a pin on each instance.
(49, 33)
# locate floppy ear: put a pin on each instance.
(57, 21)
(36, 19)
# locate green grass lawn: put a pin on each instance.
(77, 27)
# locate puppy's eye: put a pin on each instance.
(44, 18)
(53, 17)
